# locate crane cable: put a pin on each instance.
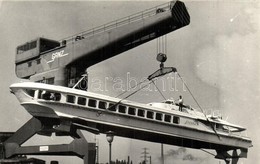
(158, 90)
(161, 44)
(161, 48)
(212, 127)
(134, 92)
(100, 112)
(131, 88)
(190, 92)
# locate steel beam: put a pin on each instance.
(78, 147)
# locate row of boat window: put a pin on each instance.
(122, 109)
(119, 108)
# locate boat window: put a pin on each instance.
(47, 95)
(176, 120)
(131, 111)
(102, 105)
(57, 96)
(81, 101)
(122, 109)
(149, 114)
(112, 107)
(140, 112)
(71, 99)
(30, 92)
(167, 118)
(158, 116)
(92, 103)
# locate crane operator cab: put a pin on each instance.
(30, 56)
(33, 49)
(43, 60)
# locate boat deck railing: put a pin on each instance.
(120, 22)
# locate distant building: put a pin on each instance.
(22, 161)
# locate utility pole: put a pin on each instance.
(97, 150)
(145, 153)
(162, 154)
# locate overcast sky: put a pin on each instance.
(217, 54)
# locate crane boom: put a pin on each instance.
(63, 62)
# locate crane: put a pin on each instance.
(64, 111)
(63, 62)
